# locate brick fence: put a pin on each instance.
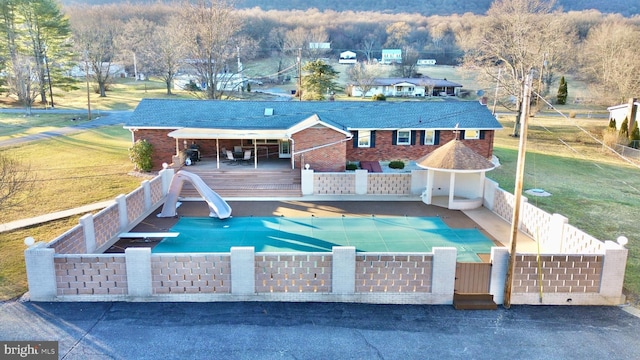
(572, 267)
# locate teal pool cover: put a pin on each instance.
(313, 234)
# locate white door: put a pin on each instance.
(284, 149)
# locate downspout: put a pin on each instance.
(293, 153)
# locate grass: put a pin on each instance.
(17, 126)
(597, 191)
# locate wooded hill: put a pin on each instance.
(625, 7)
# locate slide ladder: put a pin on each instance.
(217, 206)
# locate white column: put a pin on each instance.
(361, 181)
(613, 269)
(343, 270)
(499, 265)
(89, 233)
(243, 274)
(307, 182)
(41, 272)
(138, 262)
(444, 273)
(123, 217)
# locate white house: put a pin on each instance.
(424, 86)
(347, 57)
(392, 56)
(627, 111)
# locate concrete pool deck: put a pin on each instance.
(492, 226)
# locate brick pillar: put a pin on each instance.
(499, 266)
(444, 273)
(89, 233)
(138, 263)
(123, 218)
(344, 270)
(41, 272)
(307, 182)
(243, 273)
(361, 181)
(613, 269)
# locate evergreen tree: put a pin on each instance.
(624, 129)
(562, 92)
(612, 123)
(319, 80)
(634, 136)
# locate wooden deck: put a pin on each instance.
(273, 178)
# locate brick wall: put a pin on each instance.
(106, 224)
(71, 242)
(384, 149)
(293, 273)
(91, 275)
(328, 158)
(560, 273)
(135, 204)
(191, 274)
(383, 184)
(394, 273)
(164, 147)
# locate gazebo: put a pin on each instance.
(455, 178)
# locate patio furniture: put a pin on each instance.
(247, 157)
(230, 158)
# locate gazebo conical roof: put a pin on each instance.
(455, 156)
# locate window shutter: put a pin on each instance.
(413, 137)
(423, 133)
(355, 138)
(460, 134)
(436, 137)
(482, 134)
(373, 139)
(394, 137)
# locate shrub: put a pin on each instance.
(140, 154)
(572, 114)
(396, 164)
(379, 97)
(352, 166)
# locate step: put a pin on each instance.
(474, 302)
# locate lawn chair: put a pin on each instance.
(230, 158)
(247, 157)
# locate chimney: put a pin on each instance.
(483, 100)
(631, 114)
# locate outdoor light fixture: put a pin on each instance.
(29, 241)
(165, 165)
(622, 240)
(307, 166)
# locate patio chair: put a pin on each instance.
(247, 157)
(230, 158)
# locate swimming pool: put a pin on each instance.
(320, 234)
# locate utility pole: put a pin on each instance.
(544, 64)
(46, 62)
(240, 70)
(495, 97)
(517, 192)
(299, 74)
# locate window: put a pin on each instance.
(263, 141)
(403, 137)
(364, 138)
(429, 137)
(471, 134)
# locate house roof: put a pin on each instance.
(290, 115)
(455, 156)
(422, 81)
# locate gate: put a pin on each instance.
(472, 278)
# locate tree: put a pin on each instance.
(135, 44)
(562, 92)
(168, 50)
(16, 182)
(48, 33)
(95, 38)
(624, 129)
(514, 37)
(609, 59)
(210, 40)
(634, 136)
(397, 34)
(363, 76)
(141, 154)
(318, 80)
(23, 81)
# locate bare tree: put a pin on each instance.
(16, 182)
(211, 42)
(134, 44)
(363, 76)
(397, 34)
(514, 37)
(609, 59)
(23, 81)
(409, 62)
(167, 50)
(95, 37)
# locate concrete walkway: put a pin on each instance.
(18, 224)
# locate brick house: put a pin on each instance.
(325, 135)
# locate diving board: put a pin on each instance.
(145, 235)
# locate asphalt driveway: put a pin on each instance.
(255, 330)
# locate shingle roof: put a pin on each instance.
(346, 115)
(454, 155)
(422, 81)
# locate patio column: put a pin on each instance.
(217, 153)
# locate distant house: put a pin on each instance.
(627, 111)
(424, 86)
(347, 57)
(324, 134)
(391, 56)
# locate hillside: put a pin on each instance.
(624, 7)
